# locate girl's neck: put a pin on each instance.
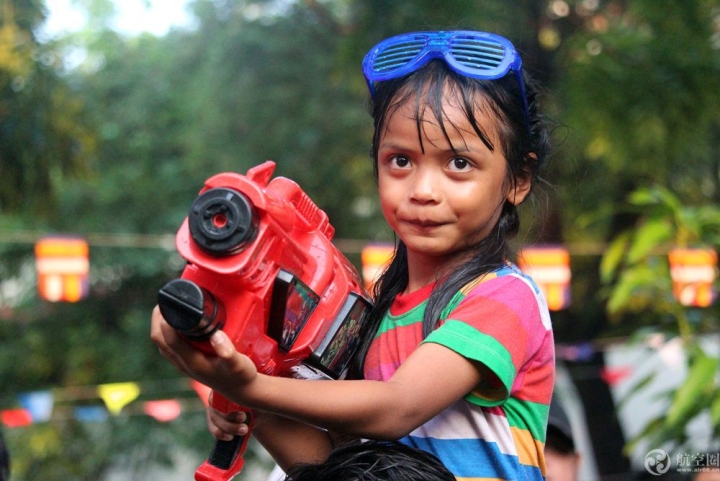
(424, 270)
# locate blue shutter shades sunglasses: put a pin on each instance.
(477, 55)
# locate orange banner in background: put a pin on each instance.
(375, 259)
(63, 266)
(549, 267)
(693, 272)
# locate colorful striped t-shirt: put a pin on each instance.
(497, 431)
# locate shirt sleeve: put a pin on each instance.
(497, 324)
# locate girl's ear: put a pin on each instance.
(521, 187)
(520, 190)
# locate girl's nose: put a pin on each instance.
(425, 186)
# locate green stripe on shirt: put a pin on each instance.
(528, 415)
(472, 344)
(391, 322)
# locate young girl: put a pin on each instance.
(461, 361)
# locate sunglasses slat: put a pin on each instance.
(389, 63)
(397, 55)
(476, 61)
(479, 54)
(480, 50)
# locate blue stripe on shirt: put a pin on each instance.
(475, 458)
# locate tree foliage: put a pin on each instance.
(42, 131)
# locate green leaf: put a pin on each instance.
(631, 281)
(708, 216)
(715, 413)
(649, 236)
(655, 195)
(668, 198)
(638, 386)
(613, 256)
(643, 196)
(653, 427)
(700, 378)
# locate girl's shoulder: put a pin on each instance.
(507, 285)
(508, 275)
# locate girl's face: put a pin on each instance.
(441, 197)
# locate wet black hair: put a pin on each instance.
(374, 461)
(524, 143)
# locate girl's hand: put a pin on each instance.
(224, 426)
(227, 372)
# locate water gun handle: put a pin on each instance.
(226, 458)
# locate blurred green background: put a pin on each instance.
(109, 135)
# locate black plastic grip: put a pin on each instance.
(190, 309)
(223, 453)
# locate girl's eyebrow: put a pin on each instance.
(463, 149)
(393, 146)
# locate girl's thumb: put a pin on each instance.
(222, 345)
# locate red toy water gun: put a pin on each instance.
(261, 266)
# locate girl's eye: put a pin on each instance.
(458, 164)
(399, 162)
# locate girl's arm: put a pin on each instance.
(432, 378)
(289, 442)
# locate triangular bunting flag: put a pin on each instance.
(16, 418)
(91, 414)
(39, 404)
(615, 375)
(118, 395)
(164, 410)
(203, 391)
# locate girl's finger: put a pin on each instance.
(177, 350)
(222, 344)
(226, 424)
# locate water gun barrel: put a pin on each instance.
(222, 221)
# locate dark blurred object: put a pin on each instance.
(562, 460)
(559, 431)
(374, 461)
(4, 461)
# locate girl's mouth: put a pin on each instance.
(423, 223)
